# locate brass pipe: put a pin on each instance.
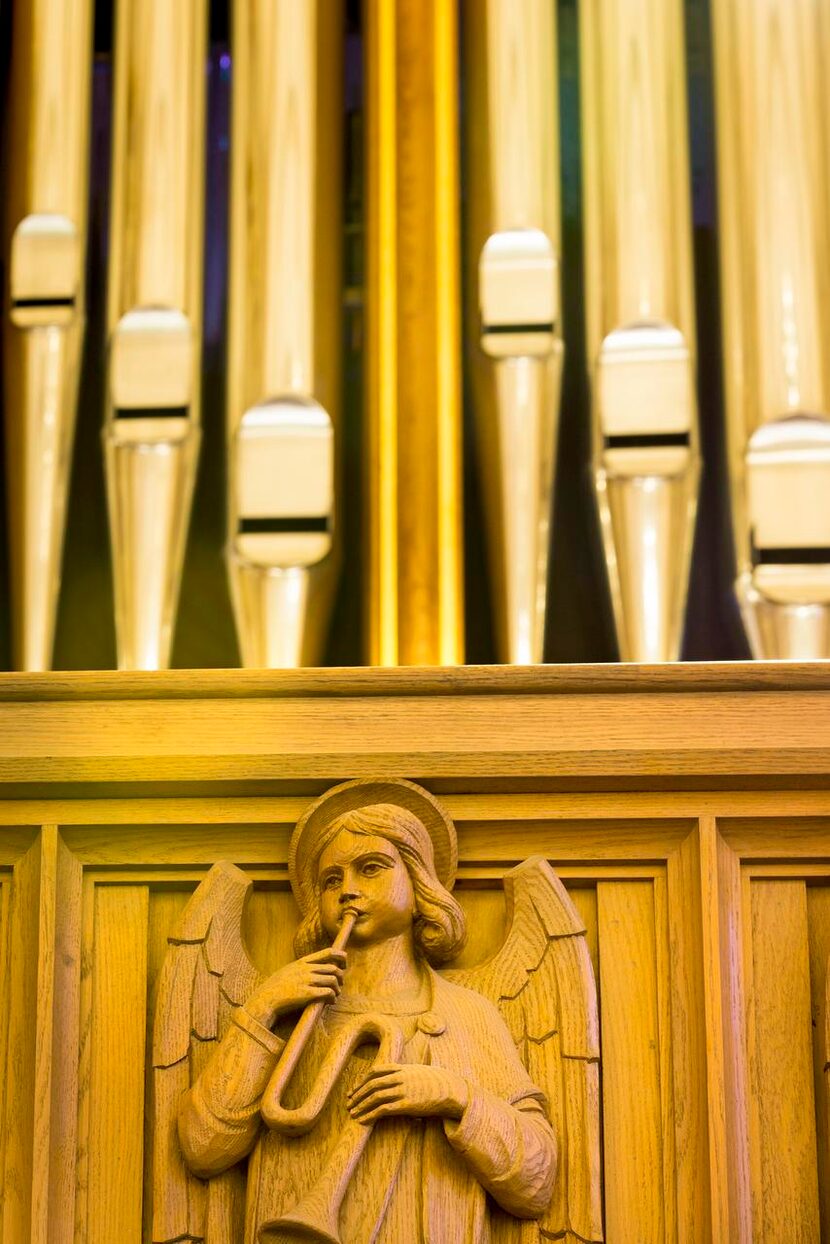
(774, 197)
(284, 326)
(640, 312)
(154, 312)
(515, 338)
(44, 321)
(414, 520)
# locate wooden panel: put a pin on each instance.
(778, 837)
(165, 907)
(116, 1065)
(505, 842)
(607, 806)
(631, 1065)
(498, 726)
(782, 1113)
(5, 903)
(15, 840)
(723, 1003)
(270, 924)
(668, 999)
(184, 844)
(20, 1074)
(56, 1065)
(42, 999)
(681, 978)
(818, 919)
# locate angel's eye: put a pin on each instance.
(371, 870)
(331, 882)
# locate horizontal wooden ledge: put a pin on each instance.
(488, 730)
(468, 680)
(124, 776)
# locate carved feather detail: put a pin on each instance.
(205, 973)
(542, 981)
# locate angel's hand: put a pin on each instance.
(409, 1089)
(315, 978)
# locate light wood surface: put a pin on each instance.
(540, 728)
(117, 1024)
(705, 906)
(632, 1110)
(782, 1119)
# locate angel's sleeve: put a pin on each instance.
(507, 1141)
(219, 1117)
(511, 1150)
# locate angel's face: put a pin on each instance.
(365, 872)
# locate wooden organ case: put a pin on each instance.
(686, 809)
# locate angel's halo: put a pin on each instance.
(363, 793)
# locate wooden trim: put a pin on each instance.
(42, 1068)
(695, 1213)
(468, 680)
(476, 742)
(769, 811)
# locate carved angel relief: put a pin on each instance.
(376, 1098)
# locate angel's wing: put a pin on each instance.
(206, 972)
(542, 981)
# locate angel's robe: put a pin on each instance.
(425, 1181)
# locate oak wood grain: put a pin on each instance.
(818, 922)
(683, 980)
(631, 1089)
(747, 817)
(20, 1073)
(116, 1083)
(782, 1115)
(5, 904)
(757, 733)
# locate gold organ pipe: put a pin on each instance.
(284, 326)
(640, 312)
(154, 314)
(414, 520)
(44, 322)
(774, 199)
(514, 243)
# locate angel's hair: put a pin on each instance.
(439, 928)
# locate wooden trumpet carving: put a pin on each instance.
(773, 183)
(514, 236)
(640, 312)
(284, 327)
(486, 1079)
(151, 432)
(43, 332)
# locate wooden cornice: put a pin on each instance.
(544, 728)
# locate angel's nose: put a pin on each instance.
(348, 896)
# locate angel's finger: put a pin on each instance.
(363, 1091)
(327, 974)
(380, 1112)
(389, 1098)
(322, 991)
(383, 1069)
(328, 955)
